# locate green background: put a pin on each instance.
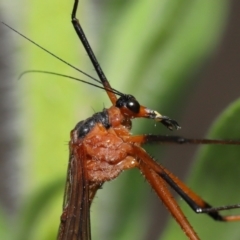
(151, 49)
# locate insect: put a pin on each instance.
(102, 146)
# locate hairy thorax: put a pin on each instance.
(108, 154)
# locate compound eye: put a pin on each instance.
(133, 105)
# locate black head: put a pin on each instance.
(129, 102)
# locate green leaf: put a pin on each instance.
(215, 176)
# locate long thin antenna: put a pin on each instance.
(110, 89)
(45, 50)
(71, 77)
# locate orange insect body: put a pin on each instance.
(106, 151)
(107, 142)
(102, 146)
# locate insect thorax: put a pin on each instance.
(85, 126)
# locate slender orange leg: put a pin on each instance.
(159, 185)
(196, 202)
(191, 198)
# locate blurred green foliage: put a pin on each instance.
(147, 48)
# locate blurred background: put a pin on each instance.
(178, 57)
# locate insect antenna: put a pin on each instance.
(73, 78)
(109, 88)
(52, 54)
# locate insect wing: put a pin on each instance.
(75, 219)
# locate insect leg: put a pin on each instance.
(196, 202)
(149, 138)
(91, 54)
(159, 185)
(191, 198)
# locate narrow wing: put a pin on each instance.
(75, 219)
